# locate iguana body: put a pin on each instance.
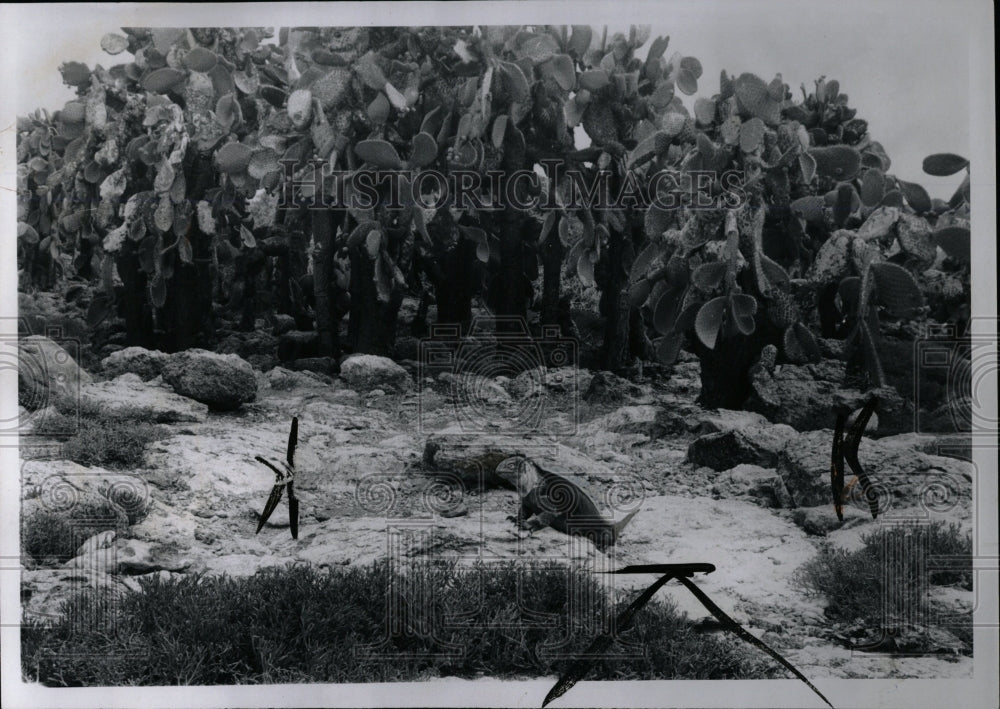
(475, 469)
(561, 501)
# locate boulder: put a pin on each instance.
(801, 396)
(128, 391)
(282, 379)
(296, 344)
(366, 372)
(97, 553)
(47, 311)
(326, 366)
(764, 485)
(559, 380)
(609, 389)
(222, 381)
(807, 396)
(903, 478)
(821, 520)
(134, 583)
(641, 420)
(757, 445)
(245, 344)
(262, 362)
(147, 364)
(957, 445)
(282, 323)
(135, 557)
(718, 420)
(677, 418)
(473, 389)
(101, 540)
(46, 372)
(673, 418)
(568, 380)
(406, 347)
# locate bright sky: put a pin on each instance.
(905, 66)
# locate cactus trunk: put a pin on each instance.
(324, 227)
(133, 299)
(509, 282)
(372, 325)
(552, 259)
(616, 354)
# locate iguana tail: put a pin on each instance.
(620, 524)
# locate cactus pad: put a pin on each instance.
(896, 288)
(839, 162)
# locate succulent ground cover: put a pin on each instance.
(296, 624)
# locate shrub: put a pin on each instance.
(53, 538)
(115, 439)
(854, 582)
(298, 624)
(46, 535)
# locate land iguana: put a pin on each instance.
(552, 496)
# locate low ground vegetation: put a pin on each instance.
(298, 624)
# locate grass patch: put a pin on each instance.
(93, 436)
(297, 624)
(51, 538)
(887, 578)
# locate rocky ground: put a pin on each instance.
(730, 488)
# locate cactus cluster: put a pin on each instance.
(186, 181)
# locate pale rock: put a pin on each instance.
(474, 389)
(223, 381)
(147, 364)
(759, 445)
(907, 481)
(135, 556)
(282, 379)
(762, 484)
(363, 373)
(609, 389)
(102, 540)
(129, 391)
(46, 372)
(540, 381)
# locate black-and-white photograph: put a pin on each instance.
(499, 354)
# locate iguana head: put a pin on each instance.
(519, 472)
